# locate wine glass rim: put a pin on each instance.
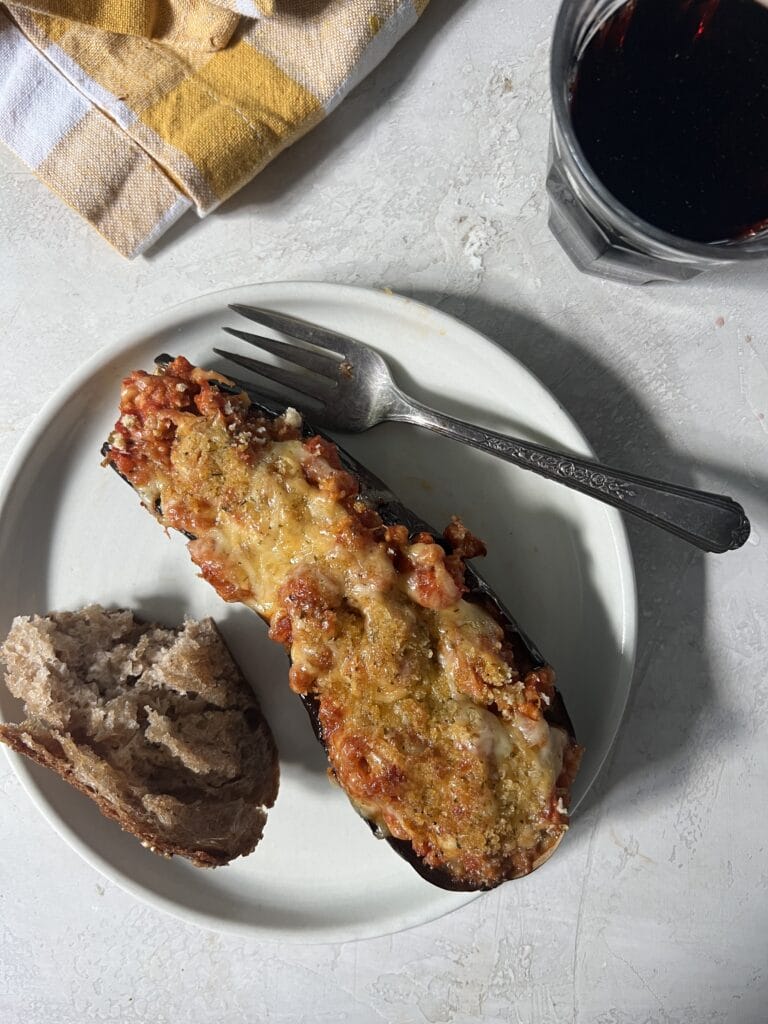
(561, 63)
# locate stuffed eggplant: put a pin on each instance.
(440, 720)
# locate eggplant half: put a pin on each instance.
(439, 717)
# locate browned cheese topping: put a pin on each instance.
(431, 728)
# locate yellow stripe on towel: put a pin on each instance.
(130, 202)
(233, 115)
(195, 24)
(130, 131)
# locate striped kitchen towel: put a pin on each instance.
(134, 110)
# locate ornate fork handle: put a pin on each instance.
(710, 521)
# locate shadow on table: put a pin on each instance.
(673, 687)
(287, 170)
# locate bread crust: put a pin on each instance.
(22, 743)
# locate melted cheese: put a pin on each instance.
(420, 705)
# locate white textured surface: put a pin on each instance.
(429, 179)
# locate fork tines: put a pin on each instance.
(311, 386)
(322, 360)
(292, 326)
(310, 359)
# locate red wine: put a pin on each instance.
(670, 106)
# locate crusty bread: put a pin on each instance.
(158, 726)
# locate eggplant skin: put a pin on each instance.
(527, 657)
(556, 715)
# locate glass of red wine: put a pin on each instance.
(659, 146)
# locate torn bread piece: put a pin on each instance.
(158, 726)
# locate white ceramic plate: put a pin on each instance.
(72, 532)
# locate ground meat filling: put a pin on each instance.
(432, 728)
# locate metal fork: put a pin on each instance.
(353, 390)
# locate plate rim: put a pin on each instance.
(97, 362)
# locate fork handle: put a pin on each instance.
(712, 522)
